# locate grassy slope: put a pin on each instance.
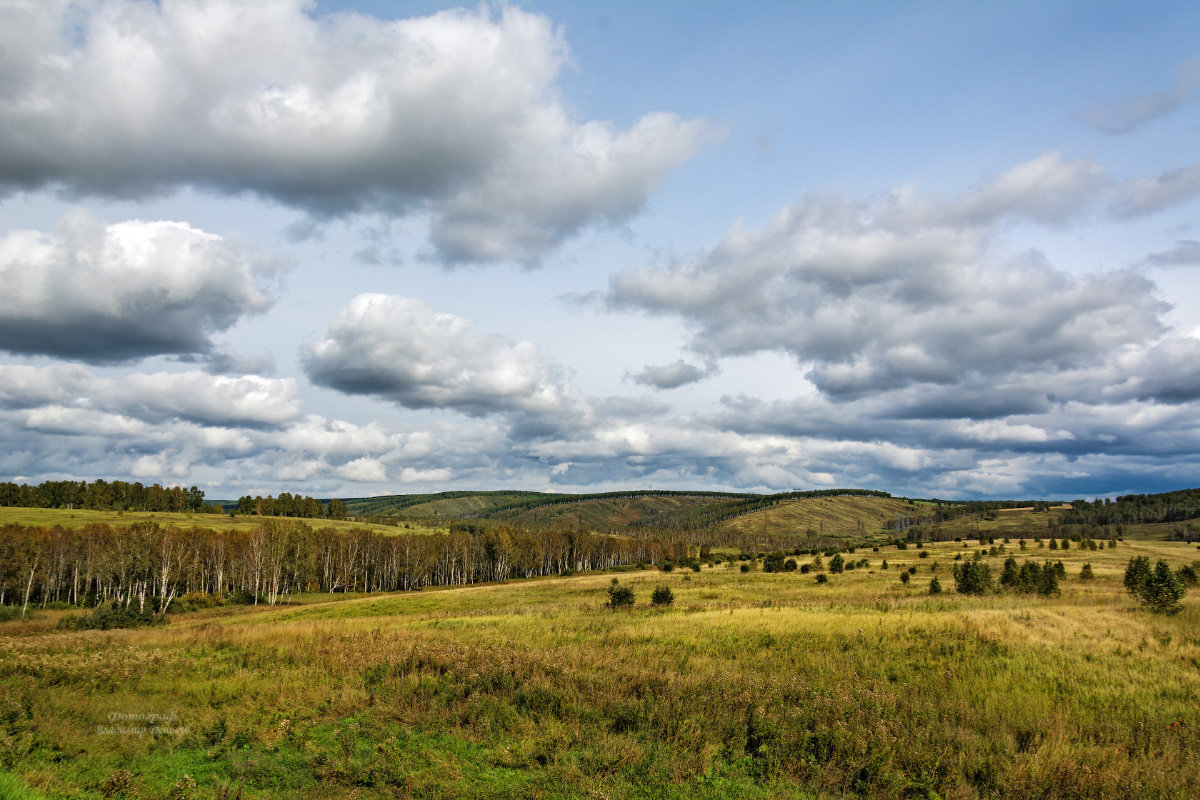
(77, 518)
(615, 512)
(444, 504)
(752, 685)
(827, 516)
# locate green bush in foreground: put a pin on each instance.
(1160, 589)
(662, 596)
(972, 577)
(104, 619)
(619, 596)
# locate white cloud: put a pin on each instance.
(112, 293)
(457, 113)
(400, 349)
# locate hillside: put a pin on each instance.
(443, 504)
(638, 510)
(818, 518)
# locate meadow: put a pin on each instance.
(73, 518)
(750, 685)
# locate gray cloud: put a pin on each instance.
(401, 350)
(875, 297)
(1144, 196)
(1129, 114)
(671, 376)
(1185, 253)
(456, 114)
(114, 293)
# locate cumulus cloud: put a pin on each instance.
(402, 350)
(1129, 114)
(872, 297)
(109, 293)
(457, 114)
(196, 397)
(671, 376)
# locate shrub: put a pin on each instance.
(1086, 573)
(667, 566)
(972, 577)
(884, 565)
(104, 619)
(822, 578)
(805, 569)
(619, 596)
(1161, 590)
(935, 586)
(1188, 576)
(745, 568)
(1137, 572)
(790, 565)
(923, 554)
(905, 577)
(662, 596)
(837, 564)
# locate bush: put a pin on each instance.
(662, 596)
(837, 564)
(905, 577)
(972, 577)
(104, 619)
(619, 596)
(1188, 576)
(935, 586)
(667, 566)
(1086, 573)
(11, 612)
(822, 578)
(1159, 589)
(745, 567)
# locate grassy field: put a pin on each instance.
(77, 518)
(752, 685)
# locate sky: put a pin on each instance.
(359, 248)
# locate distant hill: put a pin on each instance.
(816, 518)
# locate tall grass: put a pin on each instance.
(751, 685)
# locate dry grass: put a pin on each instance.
(78, 518)
(751, 685)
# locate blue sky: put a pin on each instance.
(361, 248)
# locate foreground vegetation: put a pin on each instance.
(749, 684)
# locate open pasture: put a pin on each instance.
(70, 518)
(750, 685)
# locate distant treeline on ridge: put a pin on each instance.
(102, 495)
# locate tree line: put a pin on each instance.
(1133, 509)
(146, 566)
(291, 505)
(102, 495)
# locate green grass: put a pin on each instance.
(751, 685)
(12, 788)
(78, 518)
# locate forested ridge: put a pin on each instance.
(1136, 509)
(102, 495)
